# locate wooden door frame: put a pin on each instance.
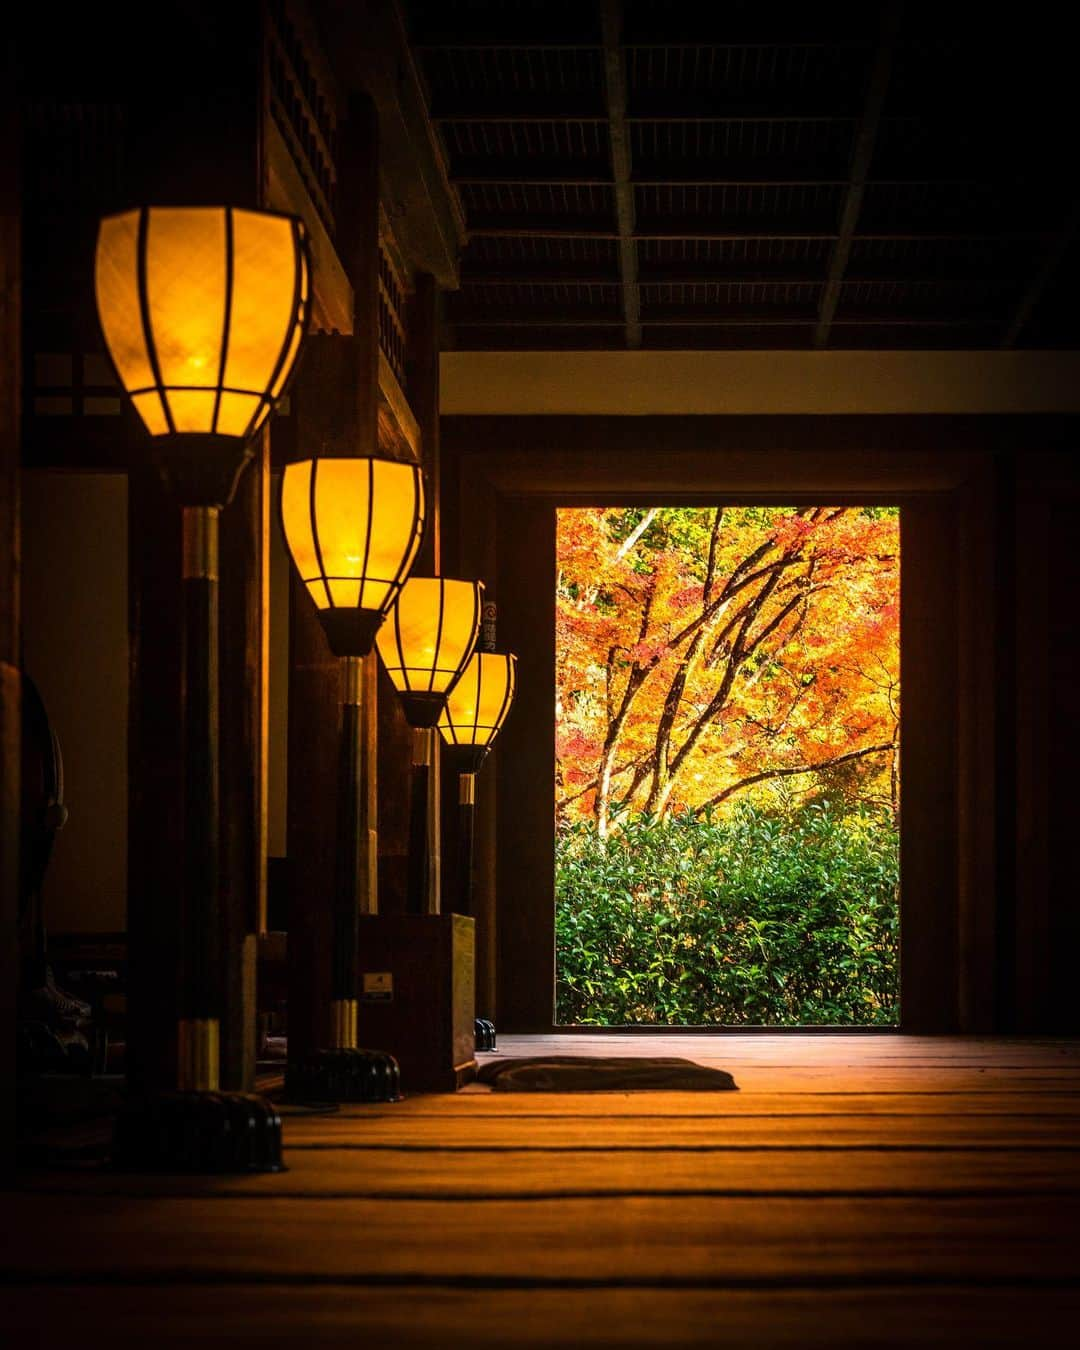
(503, 475)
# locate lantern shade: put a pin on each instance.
(477, 706)
(427, 641)
(353, 527)
(203, 310)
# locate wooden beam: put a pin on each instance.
(502, 226)
(791, 274)
(479, 106)
(750, 173)
(372, 54)
(712, 317)
(619, 137)
(861, 158)
(1036, 287)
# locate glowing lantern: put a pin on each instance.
(203, 310)
(477, 707)
(353, 527)
(427, 642)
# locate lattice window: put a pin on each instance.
(392, 314)
(302, 108)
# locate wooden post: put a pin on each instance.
(244, 676)
(314, 735)
(155, 807)
(423, 379)
(10, 677)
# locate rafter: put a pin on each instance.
(619, 137)
(862, 155)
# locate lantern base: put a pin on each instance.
(344, 1075)
(198, 1133)
(423, 710)
(201, 469)
(464, 758)
(350, 632)
(484, 1030)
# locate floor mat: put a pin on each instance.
(580, 1073)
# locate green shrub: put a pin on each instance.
(755, 918)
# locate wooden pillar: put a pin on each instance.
(336, 410)
(244, 693)
(423, 377)
(155, 785)
(396, 737)
(314, 732)
(10, 678)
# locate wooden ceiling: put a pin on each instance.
(751, 174)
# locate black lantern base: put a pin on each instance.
(201, 469)
(464, 758)
(350, 632)
(344, 1075)
(484, 1030)
(198, 1132)
(423, 710)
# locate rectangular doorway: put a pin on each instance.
(727, 765)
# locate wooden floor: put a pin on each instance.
(859, 1190)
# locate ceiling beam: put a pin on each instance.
(474, 106)
(533, 173)
(494, 226)
(862, 155)
(1036, 287)
(798, 275)
(619, 139)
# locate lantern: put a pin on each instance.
(477, 707)
(203, 310)
(353, 527)
(427, 642)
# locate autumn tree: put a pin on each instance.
(704, 653)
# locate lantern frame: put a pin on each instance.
(202, 468)
(350, 630)
(461, 750)
(423, 707)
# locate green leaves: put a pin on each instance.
(758, 918)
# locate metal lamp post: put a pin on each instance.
(353, 527)
(203, 310)
(424, 646)
(475, 711)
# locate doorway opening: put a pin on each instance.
(727, 765)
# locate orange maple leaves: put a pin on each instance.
(703, 652)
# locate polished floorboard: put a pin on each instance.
(858, 1190)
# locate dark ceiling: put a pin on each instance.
(757, 174)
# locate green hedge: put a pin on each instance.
(755, 918)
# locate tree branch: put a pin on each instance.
(790, 772)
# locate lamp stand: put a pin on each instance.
(342, 1072)
(483, 1027)
(198, 1128)
(418, 882)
